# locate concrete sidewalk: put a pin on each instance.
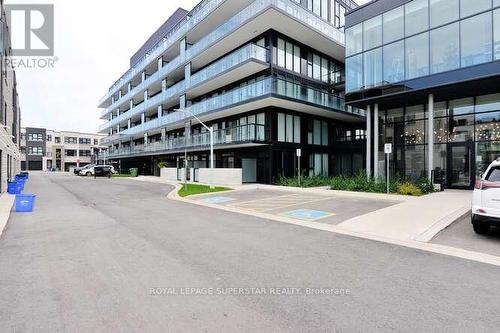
(6, 202)
(419, 219)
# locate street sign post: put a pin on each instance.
(299, 154)
(388, 152)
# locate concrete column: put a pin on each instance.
(163, 134)
(182, 102)
(368, 141)
(119, 94)
(430, 135)
(143, 118)
(146, 95)
(375, 141)
(117, 128)
(164, 84)
(110, 116)
(131, 103)
(182, 48)
(145, 138)
(129, 86)
(129, 124)
(117, 112)
(187, 75)
(143, 76)
(160, 63)
(112, 99)
(160, 111)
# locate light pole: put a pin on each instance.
(211, 131)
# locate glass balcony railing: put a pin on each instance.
(250, 51)
(201, 11)
(269, 86)
(258, 6)
(234, 135)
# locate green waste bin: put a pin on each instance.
(134, 172)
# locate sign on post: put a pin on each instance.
(388, 152)
(299, 154)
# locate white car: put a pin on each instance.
(90, 171)
(486, 199)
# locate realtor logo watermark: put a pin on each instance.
(31, 29)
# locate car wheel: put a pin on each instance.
(88, 174)
(480, 228)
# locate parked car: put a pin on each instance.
(486, 199)
(103, 171)
(76, 171)
(91, 171)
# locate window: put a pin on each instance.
(372, 33)
(394, 60)
(38, 137)
(35, 151)
(319, 68)
(416, 17)
(49, 137)
(372, 67)
(69, 152)
(494, 174)
(317, 132)
(354, 39)
(476, 37)
(393, 25)
(496, 33)
(288, 128)
(318, 165)
(487, 103)
(461, 106)
(84, 153)
(468, 7)
(354, 73)
(417, 56)
(84, 141)
(57, 139)
(443, 11)
(445, 48)
(96, 142)
(70, 140)
(23, 136)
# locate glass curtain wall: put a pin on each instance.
(420, 38)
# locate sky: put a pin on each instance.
(94, 40)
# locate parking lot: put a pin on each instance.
(460, 234)
(328, 208)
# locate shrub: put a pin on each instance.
(162, 165)
(408, 188)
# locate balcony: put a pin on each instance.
(267, 92)
(298, 17)
(249, 59)
(242, 135)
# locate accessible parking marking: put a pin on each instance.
(217, 200)
(307, 214)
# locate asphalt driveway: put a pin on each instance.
(117, 256)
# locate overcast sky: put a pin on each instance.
(94, 40)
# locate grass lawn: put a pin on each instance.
(121, 175)
(192, 189)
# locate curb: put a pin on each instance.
(427, 247)
(442, 224)
(5, 214)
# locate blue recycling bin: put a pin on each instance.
(14, 188)
(25, 174)
(25, 202)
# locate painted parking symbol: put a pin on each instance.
(307, 214)
(217, 200)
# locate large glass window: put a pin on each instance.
(288, 55)
(354, 39)
(471, 7)
(487, 103)
(288, 128)
(415, 161)
(486, 152)
(496, 32)
(393, 26)
(372, 33)
(488, 126)
(317, 132)
(354, 73)
(461, 106)
(373, 67)
(445, 48)
(417, 56)
(394, 62)
(416, 16)
(476, 37)
(444, 11)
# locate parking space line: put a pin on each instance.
(265, 205)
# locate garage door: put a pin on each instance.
(35, 165)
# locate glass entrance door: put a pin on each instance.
(460, 166)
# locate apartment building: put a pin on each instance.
(10, 114)
(266, 75)
(49, 150)
(428, 74)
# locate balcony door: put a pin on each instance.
(461, 165)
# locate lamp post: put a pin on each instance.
(211, 131)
